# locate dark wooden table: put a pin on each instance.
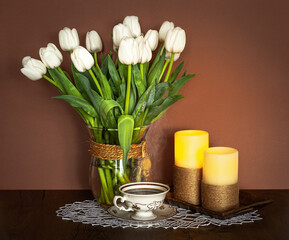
(31, 215)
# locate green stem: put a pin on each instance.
(60, 70)
(50, 80)
(141, 71)
(170, 67)
(101, 198)
(120, 177)
(96, 82)
(126, 178)
(104, 185)
(109, 183)
(95, 58)
(127, 90)
(164, 69)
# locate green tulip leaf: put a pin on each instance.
(153, 112)
(161, 89)
(83, 85)
(125, 132)
(157, 58)
(122, 69)
(105, 87)
(86, 74)
(114, 74)
(121, 98)
(177, 85)
(64, 83)
(139, 83)
(113, 88)
(106, 106)
(79, 103)
(151, 96)
(155, 73)
(104, 66)
(176, 72)
(142, 100)
(133, 96)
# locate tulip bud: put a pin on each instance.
(169, 55)
(128, 52)
(82, 59)
(68, 39)
(145, 52)
(133, 25)
(119, 32)
(152, 37)
(175, 40)
(33, 68)
(93, 42)
(166, 26)
(50, 56)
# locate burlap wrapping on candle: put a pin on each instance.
(114, 152)
(220, 198)
(187, 184)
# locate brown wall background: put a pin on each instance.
(239, 51)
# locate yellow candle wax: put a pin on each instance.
(220, 166)
(189, 148)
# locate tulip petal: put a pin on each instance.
(33, 75)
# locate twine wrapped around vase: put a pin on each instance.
(220, 198)
(187, 184)
(114, 152)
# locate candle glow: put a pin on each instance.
(220, 166)
(189, 148)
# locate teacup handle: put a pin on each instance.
(122, 199)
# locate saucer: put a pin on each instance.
(164, 212)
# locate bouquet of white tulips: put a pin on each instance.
(125, 92)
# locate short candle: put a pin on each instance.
(189, 148)
(220, 166)
(220, 190)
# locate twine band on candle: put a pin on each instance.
(187, 184)
(220, 198)
(114, 152)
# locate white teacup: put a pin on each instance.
(142, 198)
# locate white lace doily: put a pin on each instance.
(90, 212)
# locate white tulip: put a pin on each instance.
(175, 40)
(128, 52)
(152, 37)
(139, 39)
(33, 68)
(82, 59)
(145, 52)
(169, 55)
(93, 42)
(50, 56)
(133, 25)
(68, 39)
(120, 32)
(166, 26)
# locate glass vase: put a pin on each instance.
(106, 176)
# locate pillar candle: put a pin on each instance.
(220, 191)
(189, 155)
(220, 166)
(189, 148)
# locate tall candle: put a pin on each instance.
(220, 166)
(189, 156)
(189, 148)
